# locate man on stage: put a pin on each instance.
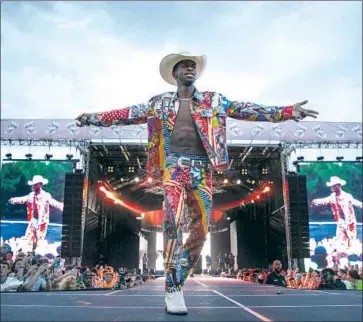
(38, 203)
(186, 140)
(342, 205)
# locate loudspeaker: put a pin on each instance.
(72, 215)
(299, 216)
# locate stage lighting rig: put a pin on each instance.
(9, 156)
(28, 156)
(48, 156)
(321, 158)
(300, 158)
(244, 171)
(264, 171)
(340, 158)
(69, 156)
(359, 158)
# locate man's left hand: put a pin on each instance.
(299, 113)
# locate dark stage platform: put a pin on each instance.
(208, 299)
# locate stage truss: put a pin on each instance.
(288, 136)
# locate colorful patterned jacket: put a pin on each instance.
(209, 111)
(43, 201)
(342, 206)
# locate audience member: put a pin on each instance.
(275, 277)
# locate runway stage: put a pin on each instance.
(208, 299)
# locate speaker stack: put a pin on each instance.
(72, 215)
(299, 216)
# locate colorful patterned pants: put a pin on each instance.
(346, 232)
(187, 201)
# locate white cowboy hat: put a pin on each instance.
(168, 63)
(37, 179)
(335, 180)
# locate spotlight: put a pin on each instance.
(359, 158)
(110, 169)
(244, 171)
(321, 158)
(228, 218)
(48, 156)
(9, 156)
(339, 158)
(238, 181)
(225, 181)
(264, 171)
(300, 158)
(137, 179)
(266, 189)
(131, 169)
(69, 156)
(143, 215)
(28, 156)
(258, 197)
(149, 179)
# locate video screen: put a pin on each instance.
(32, 195)
(335, 213)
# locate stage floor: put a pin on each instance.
(208, 299)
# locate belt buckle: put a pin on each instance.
(197, 163)
(180, 162)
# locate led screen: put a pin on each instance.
(335, 213)
(32, 194)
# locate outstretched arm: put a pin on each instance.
(357, 203)
(321, 202)
(249, 111)
(18, 200)
(56, 204)
(134, 114)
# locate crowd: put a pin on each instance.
(331, 252)
(327, 278)
(43, 247)
(30, 272)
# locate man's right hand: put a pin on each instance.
(83, 119)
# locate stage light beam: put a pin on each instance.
(266, 189)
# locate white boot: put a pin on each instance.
(174, 303)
